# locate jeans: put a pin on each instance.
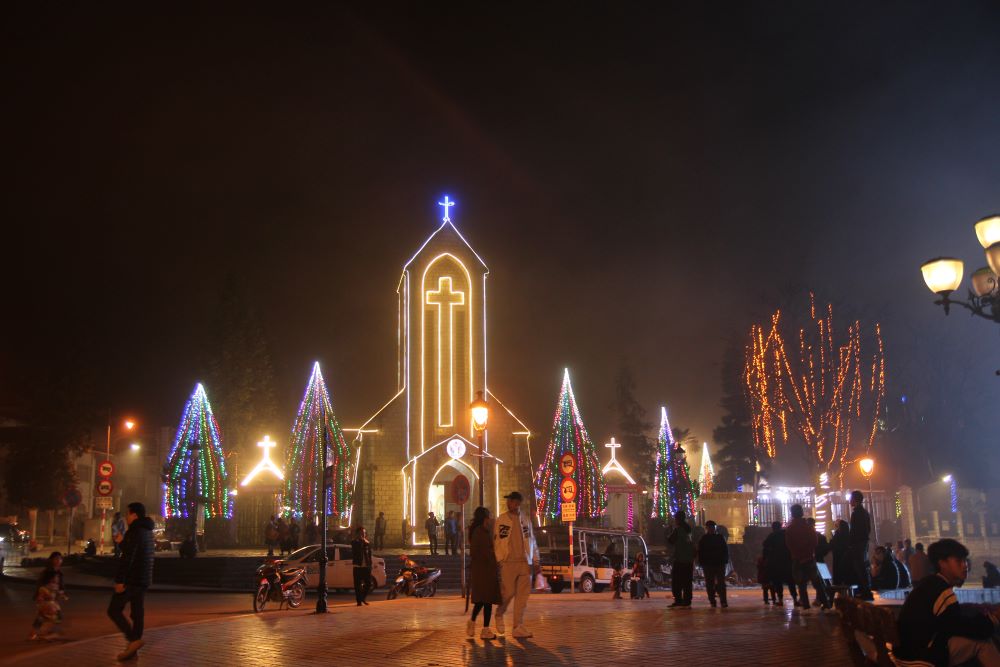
(715, 582)
(806, 572)
(379, 540)
(858, 557)
(362, 582)
(133, 596)
(681, 582)
(449, 543)
(433, 539)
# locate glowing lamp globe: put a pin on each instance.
(480, 412)
(946, 479)
(993, 257)
(984, 281)
(867, 466)
(943, 275)
(988, 230)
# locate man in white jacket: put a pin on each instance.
(517, 556)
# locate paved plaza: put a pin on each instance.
(578, 630)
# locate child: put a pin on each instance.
(764, 581)
(50, 591)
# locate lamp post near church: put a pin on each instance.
(867, 466)
(480, 416)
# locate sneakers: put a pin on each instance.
(470, 628)
(712, 602)
(488, 633)
(724, 604)
(522, 633)
(131, 650)
(501, 628)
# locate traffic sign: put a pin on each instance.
(72, 497)
(460, 489)
(105, 487)
(567, 464)
(105, 469)
(568, 512)
(104, 503)
(567, 489)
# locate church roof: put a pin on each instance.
(448, 229)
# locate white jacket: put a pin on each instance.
(501, 536)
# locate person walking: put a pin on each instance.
(517, 554)
(779, 564)
(765, 581)
(682, 568)
(117, 533)
(133, 577)
(857, 552)
(380, 531)
(361, 554)
(483, 573)
(801, 540)
(713, 556)
(840, 547)
(431, 525)
(271, 535)
(449, 534)
(48, 594)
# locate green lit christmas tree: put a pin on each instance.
(673, 489)
(195, 472)
(569, 436)
(316, 424)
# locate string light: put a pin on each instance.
(195, 471)
(897, 502)
(673, 489)
(707, 478)
(304, 478)
(818, 389)
(569, 435)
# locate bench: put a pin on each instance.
(870, 631)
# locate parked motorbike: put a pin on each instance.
(277, 582)
(414, 579)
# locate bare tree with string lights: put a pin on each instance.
(823, 391)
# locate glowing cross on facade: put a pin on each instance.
(445, 300)
(613, 464)
(446, 204)
(265, 463)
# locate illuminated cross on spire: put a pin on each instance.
(613, 464)
(265, 462)
(446, 204)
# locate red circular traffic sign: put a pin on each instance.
(72, 497)
(105, 487)
(460, 490)
(567, 489)
(567, 464)
(105, 469)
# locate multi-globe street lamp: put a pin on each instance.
(943, 275)
(480, 417)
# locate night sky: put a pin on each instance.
(643, 185)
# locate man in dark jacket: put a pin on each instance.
(713, 556)
(133, 577)
(934, 629)
(857, 545)
(839, 547)
(682, 567)
(801, 540)
(361, 554)
(778, 562)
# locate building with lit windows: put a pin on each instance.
(411, 448)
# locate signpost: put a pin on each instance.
(460, 491)
(105, 469)
(104, 502)
(105, 487)
(567, 490)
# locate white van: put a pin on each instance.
(339, 566)
(597, 553)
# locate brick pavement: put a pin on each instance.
(580, 630)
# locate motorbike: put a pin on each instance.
(277, 582)
(414, 579)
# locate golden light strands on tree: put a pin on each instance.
(819, 390)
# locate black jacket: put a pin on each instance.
(861, 526)
(712, 550)
(361, 553)
(135, 565)
(777, 558)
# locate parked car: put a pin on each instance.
(597, 553)
(339, 567)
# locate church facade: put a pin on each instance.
(409, 451)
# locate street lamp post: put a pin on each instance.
(953, 488)
(480, 416)
(943, 275)
(129, 426)
(867, 466)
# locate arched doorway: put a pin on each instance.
(438, 500)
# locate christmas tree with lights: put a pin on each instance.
(569, 436)
(707, 478)
(195, 473)
(672, 486)
(316, 424)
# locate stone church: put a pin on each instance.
(412, 447)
